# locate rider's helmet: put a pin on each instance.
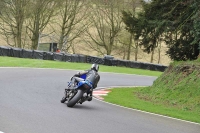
(95, 67)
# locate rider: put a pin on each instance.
(91, 75)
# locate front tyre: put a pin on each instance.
(75, 99)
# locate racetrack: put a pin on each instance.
(30, 103)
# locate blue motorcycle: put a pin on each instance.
(78, 92)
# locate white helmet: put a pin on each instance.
(95, 67)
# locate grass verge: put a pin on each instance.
(175, 93)
(22, 62)
(128, 98)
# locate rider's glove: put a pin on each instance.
(77, 75)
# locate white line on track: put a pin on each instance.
(1, 132)
(141, 110)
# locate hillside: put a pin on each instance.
(178, 87)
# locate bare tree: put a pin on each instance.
(13, 15)
(106, 23)
(71, 16)
(40, 13)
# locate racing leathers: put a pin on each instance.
(91, 75)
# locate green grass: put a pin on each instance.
(127, 97)
(22, 62)
(175, 93)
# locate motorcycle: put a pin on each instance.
(78, 92)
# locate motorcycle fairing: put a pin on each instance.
(85, 83)
(83, 76)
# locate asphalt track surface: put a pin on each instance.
(30, 103)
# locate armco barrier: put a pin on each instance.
(113, 62)
(67, 58)
(58, 56)
(4, 51)
(27, 53)
(150, 66)
(121, 63)
(82, 58)
(74, 58)
(48, 56)
(93, 59)
(16, 52)
(38, 54)
(107, 60)
(143, 65)
(135, 64)
(158, 67)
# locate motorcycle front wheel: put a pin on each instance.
(75, 99)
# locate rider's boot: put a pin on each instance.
(64, 97)
(89, 96)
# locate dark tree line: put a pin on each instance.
(175, 22)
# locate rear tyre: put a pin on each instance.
(75, 99)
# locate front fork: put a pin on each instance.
(69, 93)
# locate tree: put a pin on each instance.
(13, 15)
(40, 13)
(173, 20)
(183, 47)
(71, 25)
(132, 6)
(142, 28)
(105, 25)
(196, 23)
(154, 26)
(134, 26)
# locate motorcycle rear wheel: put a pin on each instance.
(75, 99)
